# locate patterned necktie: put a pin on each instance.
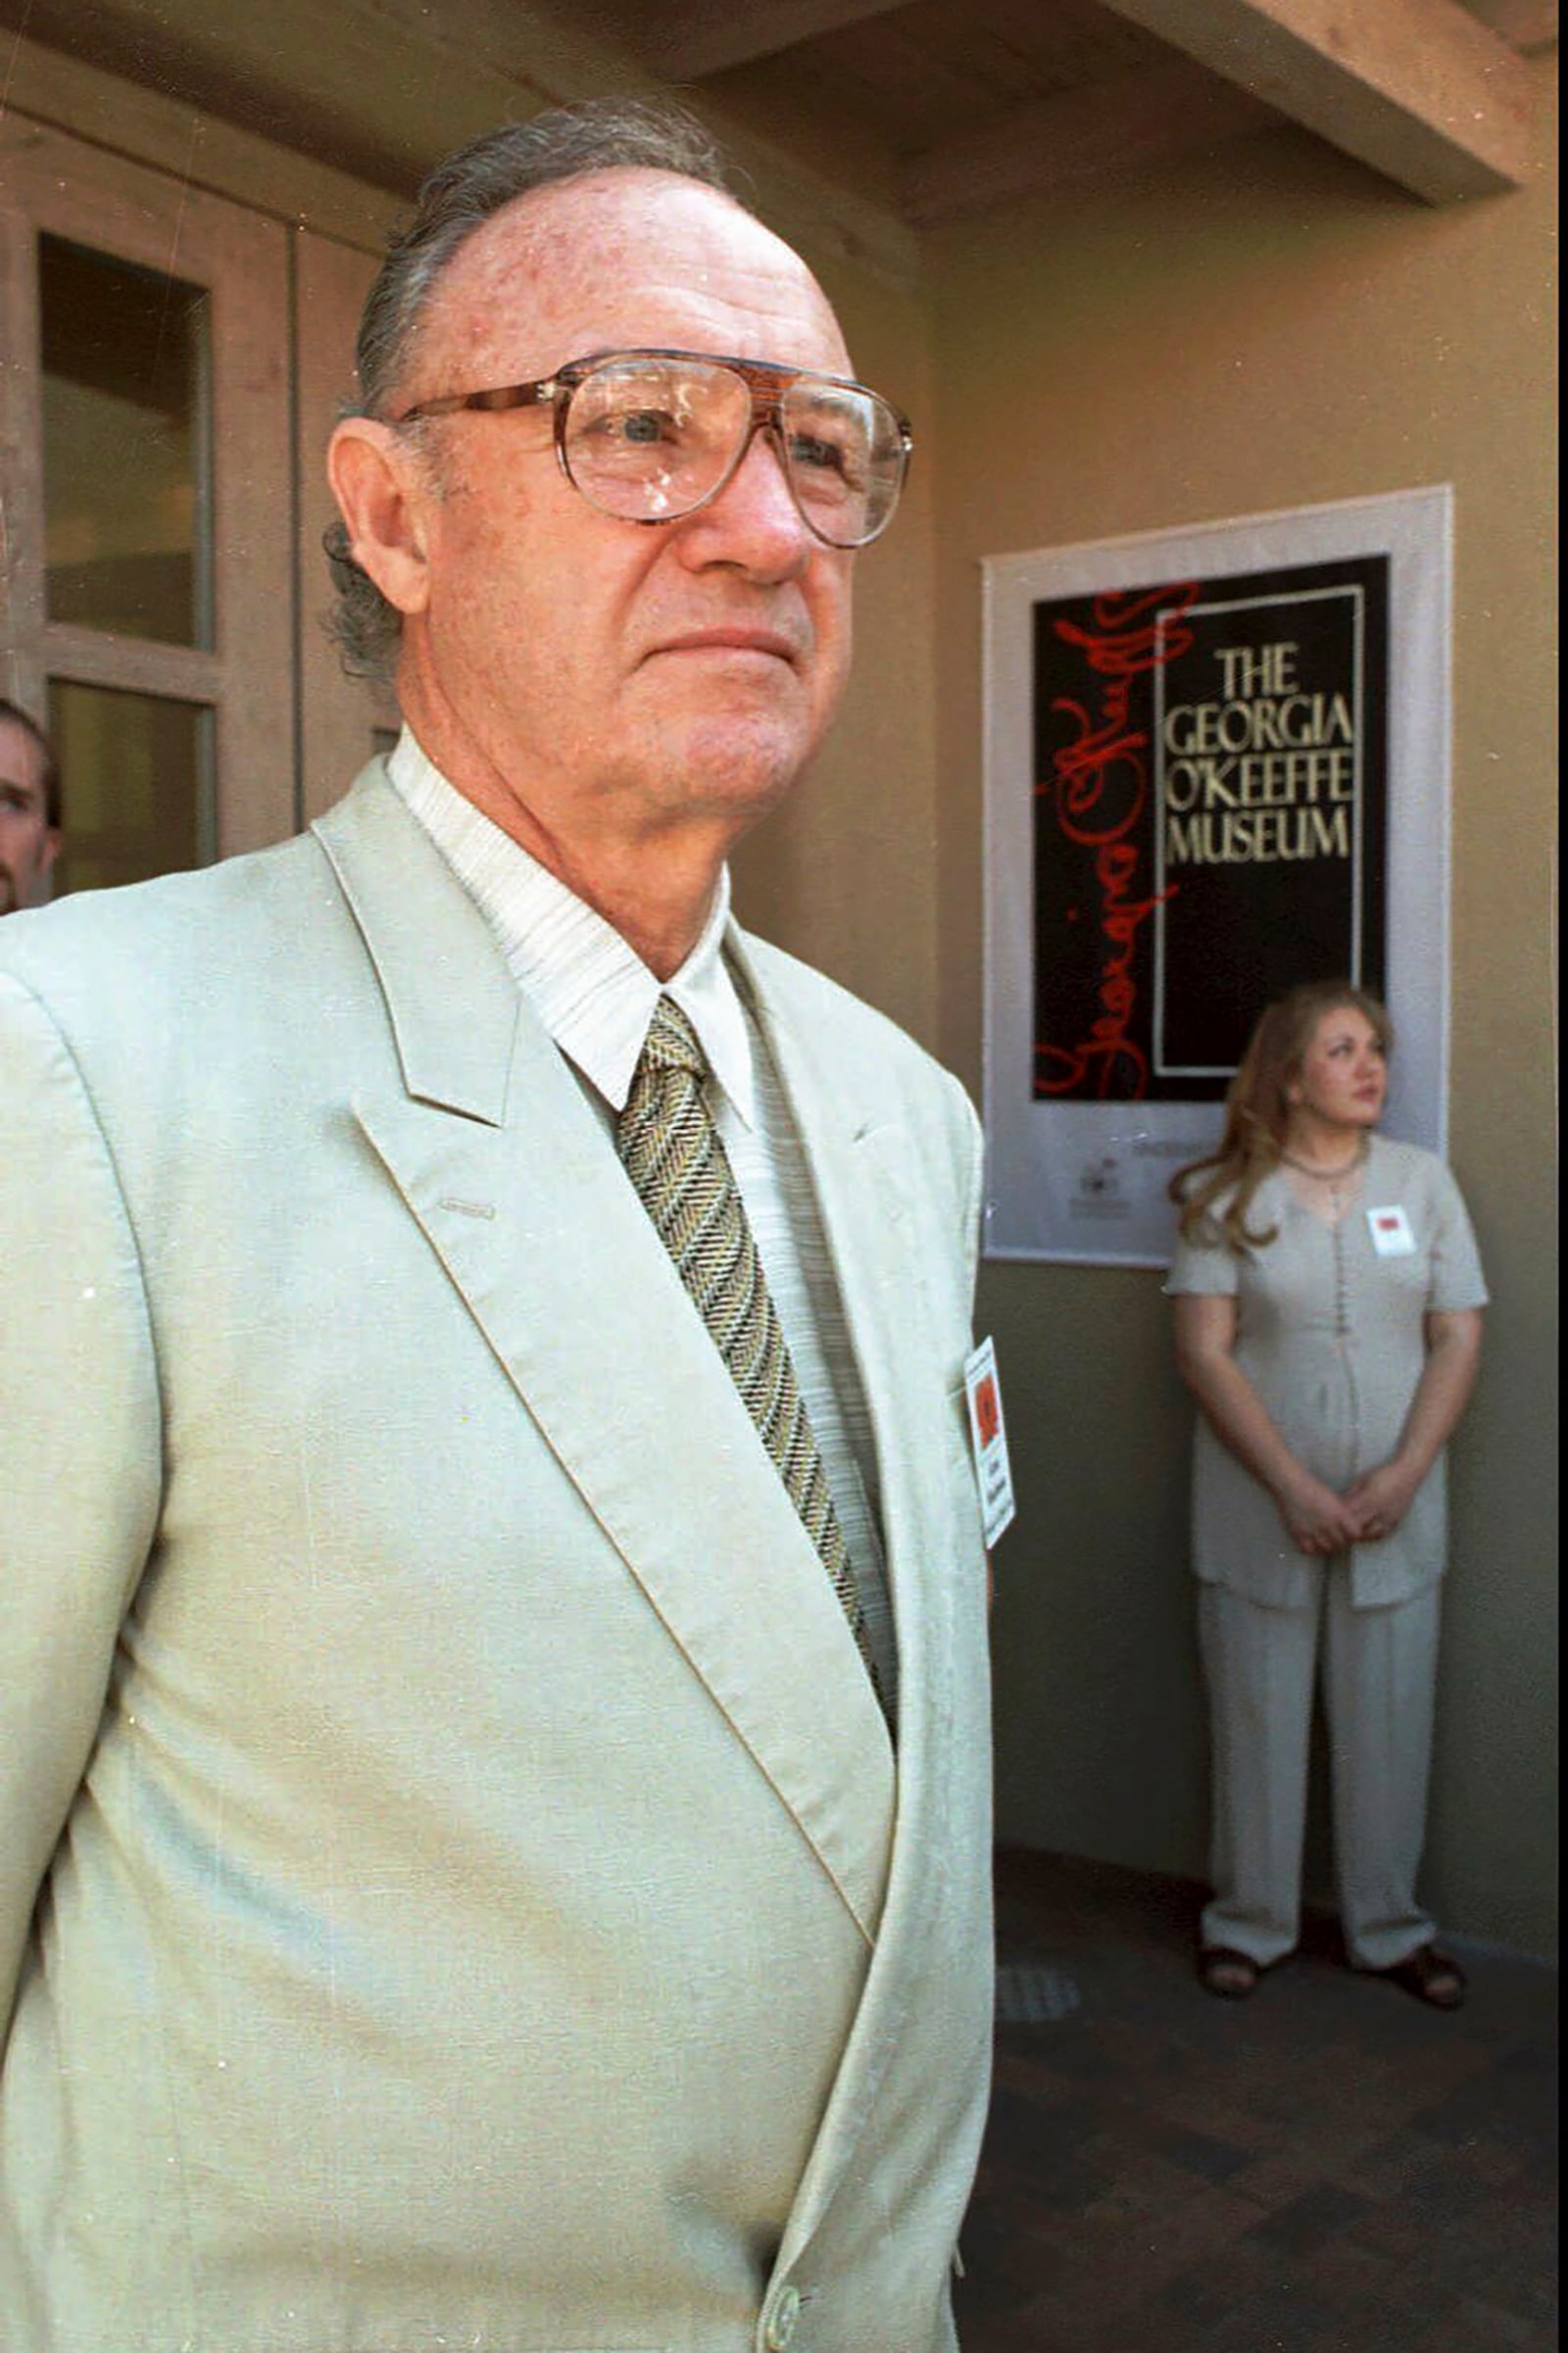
(675, 1158)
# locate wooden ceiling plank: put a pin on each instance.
(1069, 43)
(908, 79)
(1079, 134)
(973, 50)
(1418, 90)
(686, 40)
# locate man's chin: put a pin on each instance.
(742, 791)
(747, 763)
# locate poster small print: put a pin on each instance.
(1216, 765)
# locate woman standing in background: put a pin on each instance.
(1328, 1301)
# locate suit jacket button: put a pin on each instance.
(780, 2331)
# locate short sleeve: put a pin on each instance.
(1456, 1281)
(1203, 1267)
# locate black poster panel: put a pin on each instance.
(1210, 818)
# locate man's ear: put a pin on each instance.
(379, 485)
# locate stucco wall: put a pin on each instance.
(845, 874)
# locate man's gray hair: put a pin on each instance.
(460, 196)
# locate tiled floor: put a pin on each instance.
(1328, 2168)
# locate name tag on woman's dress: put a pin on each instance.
(1391, 1236)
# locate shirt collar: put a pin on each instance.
(591, 990)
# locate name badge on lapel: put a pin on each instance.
(1391, 1236)
(989, 1437)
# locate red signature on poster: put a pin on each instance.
(1099, 786)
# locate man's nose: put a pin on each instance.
(754, 522)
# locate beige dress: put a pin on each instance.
(1331, 1333)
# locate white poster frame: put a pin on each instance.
(1084, 1182)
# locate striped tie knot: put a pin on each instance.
(671, 1042)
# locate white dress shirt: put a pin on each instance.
(596, 997)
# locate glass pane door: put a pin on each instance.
(140, 799)
(146, 479)
(127, 447)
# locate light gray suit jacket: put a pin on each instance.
(455, 1887)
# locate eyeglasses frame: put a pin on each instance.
(766, 380)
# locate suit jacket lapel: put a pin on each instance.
(864, 1174)
(506, 1166)
(862, 1170)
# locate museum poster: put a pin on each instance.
(1210, 792)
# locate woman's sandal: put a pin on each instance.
(1232, 1975)
(1431, 1975)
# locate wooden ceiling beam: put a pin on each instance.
(1418, 90)
(684, 40)
(1079, 134)
(1528, 26)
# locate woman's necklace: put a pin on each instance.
(1333, 1178)
(1327, 1176)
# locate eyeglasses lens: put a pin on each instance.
(649, 439)
(845, 459)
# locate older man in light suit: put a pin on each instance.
(493, 1759)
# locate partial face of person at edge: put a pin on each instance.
(1343, 1076)
(27, 841)
(611, 675)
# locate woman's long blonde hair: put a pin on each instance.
(1258, 1110)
